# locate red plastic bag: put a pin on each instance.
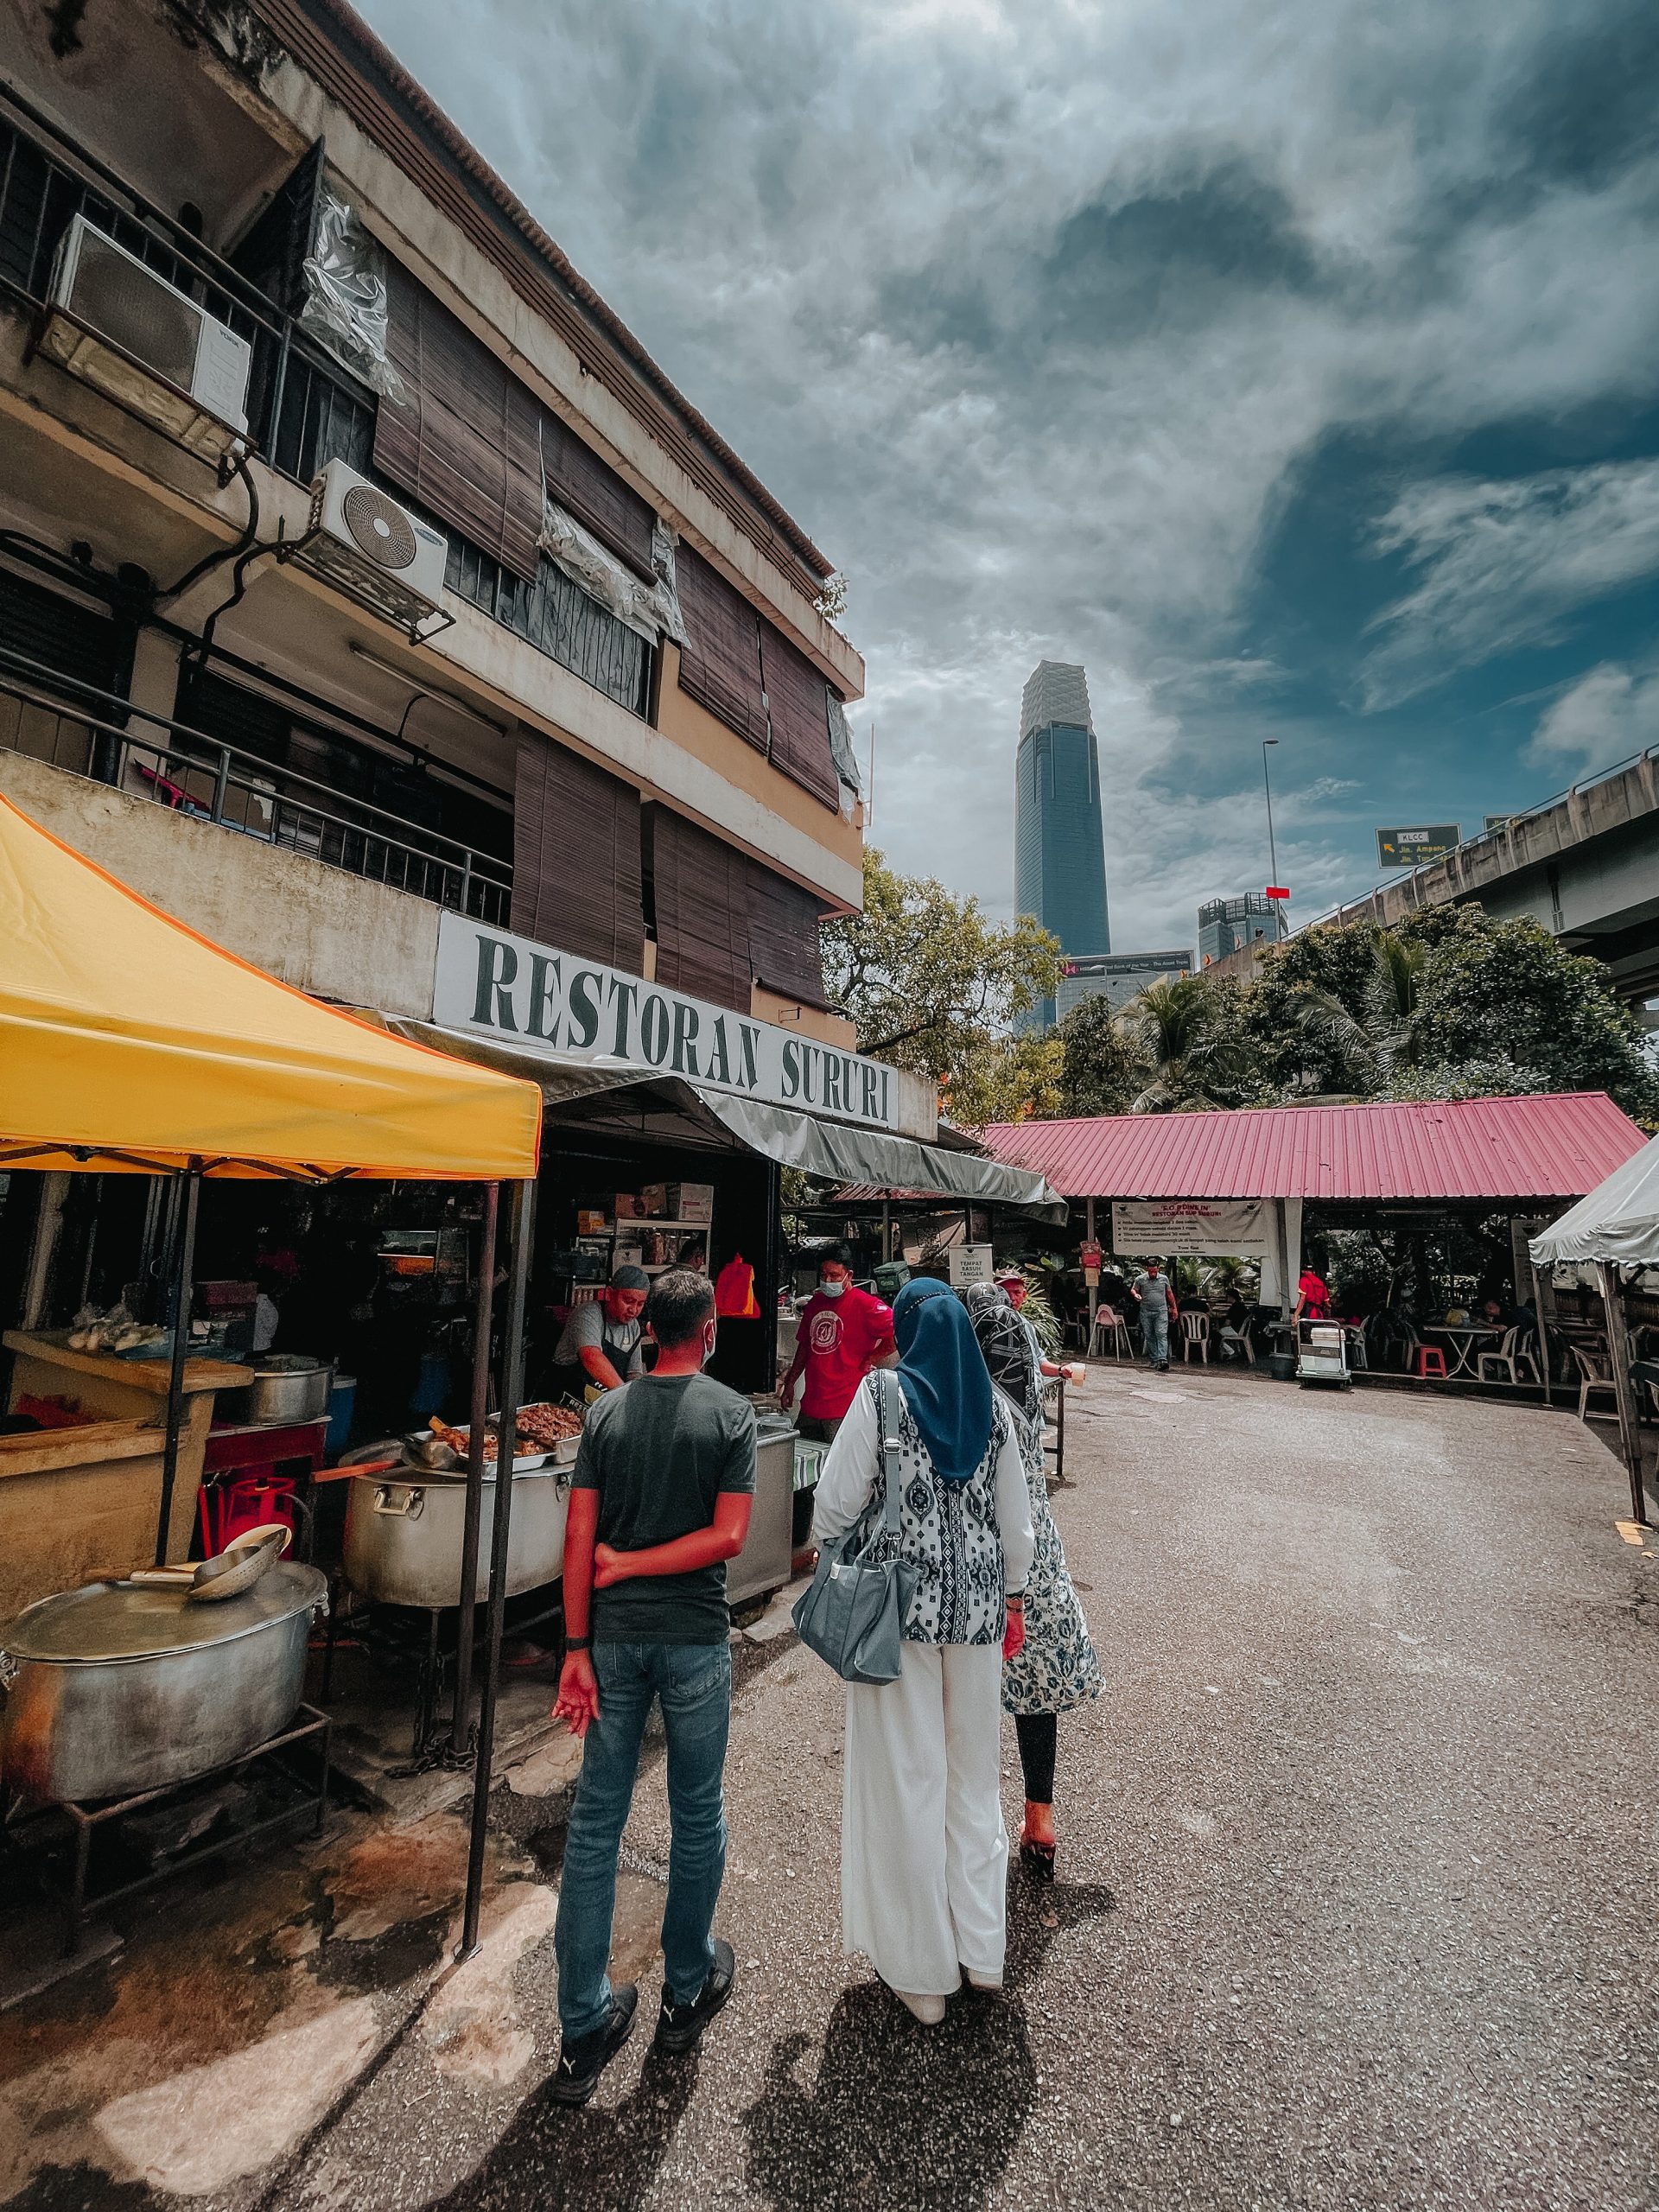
(735, 1297)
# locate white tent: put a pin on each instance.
(1619, 1219)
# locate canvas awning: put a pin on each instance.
(811, 1143)
(1619, 1220)
(129, 1043)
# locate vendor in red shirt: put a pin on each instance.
(1312, 1296)
(844, 1332)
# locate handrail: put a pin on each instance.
(52, 698)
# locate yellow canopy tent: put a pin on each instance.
(129, 1042)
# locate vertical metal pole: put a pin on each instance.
(1273, 853)
(1543, 1334)
(183, 1262)
(887, 1230)
(465, 1629)
(1618, 1348)
(1094, 1288)
(512, 1376)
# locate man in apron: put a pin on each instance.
(600, 1348)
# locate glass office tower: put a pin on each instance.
(1059, 858)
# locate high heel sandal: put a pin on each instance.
(1037, 1860)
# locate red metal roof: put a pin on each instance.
(1557, 1147)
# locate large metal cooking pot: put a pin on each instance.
(403, 1535)
(117, 1688)
(290, 1386)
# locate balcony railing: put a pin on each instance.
(193, 773)
(302, 408)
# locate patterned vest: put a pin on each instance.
(948, 1531)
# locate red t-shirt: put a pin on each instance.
(841, 1335)
(1318, 1297)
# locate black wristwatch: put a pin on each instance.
(578, 1642)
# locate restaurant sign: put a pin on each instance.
(1194, 1228)
(556, 1005)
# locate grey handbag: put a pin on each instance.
(854, 1614)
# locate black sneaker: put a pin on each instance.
(680, 2026)
(582, 2063)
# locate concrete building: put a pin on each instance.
(1059, 860)
(1224, 924)
(1116, 976)
(372, 600)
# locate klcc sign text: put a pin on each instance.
(562, 1007)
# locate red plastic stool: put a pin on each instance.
(1425, 1353)
(248, 1502)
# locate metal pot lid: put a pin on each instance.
(124, 1620)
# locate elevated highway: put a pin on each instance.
(1586, 865)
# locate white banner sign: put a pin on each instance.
(1194, 1228)
(558, 1006)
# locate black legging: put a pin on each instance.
(1036, 1733)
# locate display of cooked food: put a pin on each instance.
(539, 1428)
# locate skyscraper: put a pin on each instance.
(1059, 859)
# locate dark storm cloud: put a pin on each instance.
(1035, 316)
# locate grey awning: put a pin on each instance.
(850, 1155)
(1619, 1219)
(833, 1149)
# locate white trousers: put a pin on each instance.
(924, 1853)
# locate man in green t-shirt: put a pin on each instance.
(659, 1502)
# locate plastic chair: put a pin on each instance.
(1195, 1330)
(1592, 1376)
(1110, 1330)
(1509, 1359)
(1431, 1360)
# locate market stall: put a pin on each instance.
(129, 1045)
(1615, 1227)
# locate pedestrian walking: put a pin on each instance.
(843, 1332)
(659, 1501)
(1155, 1296)
(923, 1852)
(1056, 1668)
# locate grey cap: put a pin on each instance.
(629, 1279)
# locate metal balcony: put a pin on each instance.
(190, 772)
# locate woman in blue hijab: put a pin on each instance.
(924, 1853)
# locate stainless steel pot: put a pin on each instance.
(290, 1386)
(403, 1535)
(117, 1688)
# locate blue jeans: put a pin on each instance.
(694, 1682)
(1155, 1334)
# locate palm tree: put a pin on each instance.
(1186, 1062)
(1383, 1037)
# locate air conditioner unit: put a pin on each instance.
(120, 328)
(361, 540)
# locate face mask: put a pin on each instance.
(832, 1289)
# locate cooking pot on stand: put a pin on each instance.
(120, 1687)
(403, 1534)
(290, 1386)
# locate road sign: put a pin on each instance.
(1412, 848)
(1277, 891)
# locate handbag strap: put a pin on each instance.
(887, 1430)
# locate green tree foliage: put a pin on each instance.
(934, 986)
(1448, 1004)
(1008, 1079)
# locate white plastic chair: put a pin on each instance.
(1592, 1378)
(1110, 1331)
(1508, 1361)
(1195, 1330)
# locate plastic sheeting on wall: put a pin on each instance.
(653, 609)
(840, 747)
(345, 308)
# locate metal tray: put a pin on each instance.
(524, 1463)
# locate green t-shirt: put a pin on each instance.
(658, 1454)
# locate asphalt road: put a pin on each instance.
(1357, 1895)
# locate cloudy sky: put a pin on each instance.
(1295, 367)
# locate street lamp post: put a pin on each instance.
(1273, 856)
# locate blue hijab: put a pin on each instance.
(943, 1375)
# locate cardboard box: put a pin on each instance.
(590, 1222)
(627, 1205)
(653, 1201)
(693, 1203)
(628, 1255)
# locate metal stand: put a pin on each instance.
(1056, 1451)
(78, 1899)
(512, 1377)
